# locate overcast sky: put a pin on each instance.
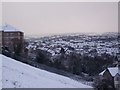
(44, 18)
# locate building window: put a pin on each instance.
(117, 86)
(18, 34)
(6, 39)
(12, 34)
(6, 43)
(6, 34)
(117, 78)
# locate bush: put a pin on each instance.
(43, 57)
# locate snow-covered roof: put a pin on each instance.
(1, 28)
(102, 72)
(113, 71)
(8, 28)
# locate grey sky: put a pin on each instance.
(44, 18)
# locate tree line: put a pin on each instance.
(75, 62)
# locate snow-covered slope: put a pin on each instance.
(0, 72)
(20, 75)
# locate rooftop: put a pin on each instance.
(112, 70)
(8, 28)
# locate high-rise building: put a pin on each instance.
(11, 37)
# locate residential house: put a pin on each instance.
(112, 74)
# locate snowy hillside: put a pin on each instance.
(0, 72)
(19, 75)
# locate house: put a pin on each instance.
(11, 37)
(112, 74)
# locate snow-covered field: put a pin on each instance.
(19, 75)
(0, 72)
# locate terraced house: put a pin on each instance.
(11, 37)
